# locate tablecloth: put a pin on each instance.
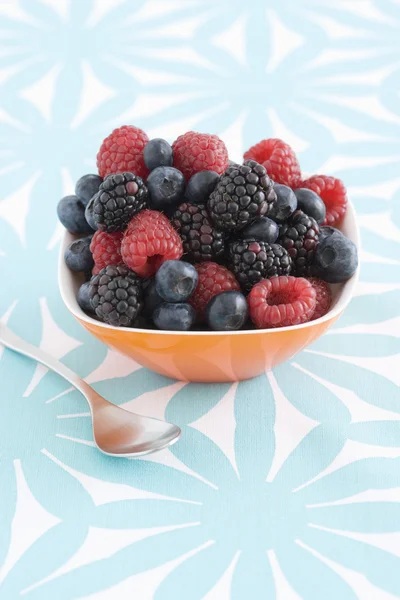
(286, 486)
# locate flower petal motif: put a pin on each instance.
(252, 573)
(358, 344)
(360, 380)
(141, 556)
(197, 574)
(366, 517)
(263, 466)
(315, 579)
(355, 478)
(375, 564)
(7, 506)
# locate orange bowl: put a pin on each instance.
(210, 356)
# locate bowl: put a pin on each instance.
(210, 356)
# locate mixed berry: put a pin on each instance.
(179, 237)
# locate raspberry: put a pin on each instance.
(243, 193)
(213, 279)
(323, 297)
(149, 241)
(195, 152)
(281, 302)
(201, 242)
(252, 261)
(279, 159)
(106, 250)
(299, 235)
(333, 193)
(122, 151)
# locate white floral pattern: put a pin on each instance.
(286, 486)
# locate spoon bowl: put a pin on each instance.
(116, 431)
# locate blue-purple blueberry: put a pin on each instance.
(83, 298)
(176, 280)
(174, 317)
(285, 204)
(87, 186)
(89, 213)
(336, 257)
(311, 204)
(158, 153)
(200, 186)
(227, 311)
(78, 256)
(166, 187)
(71, 213)
(261, 229)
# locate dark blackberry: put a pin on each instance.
(119, 198)
(116, 295)
(201, 242)
(243, 193)
(299, 235)
(252, 261)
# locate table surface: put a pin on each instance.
(287, 486)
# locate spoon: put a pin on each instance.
(117, 432)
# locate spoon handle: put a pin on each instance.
(9, 339)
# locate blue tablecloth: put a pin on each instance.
(283, 487)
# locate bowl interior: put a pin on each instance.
(70, 282)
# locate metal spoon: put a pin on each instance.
(117, 432)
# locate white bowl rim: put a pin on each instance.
(66, 285)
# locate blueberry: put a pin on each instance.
(177, 317)
(158, 153)
(77, 255)
(166, 186)
(176, 280)
(87, 186)
(89, 213)
(151, 299)
(227, 311)
(262, 230)
(336, 257)
(200, 186)
(325, 231)
(285, 204)
(83, 298)
(311, 204)
(71, 212)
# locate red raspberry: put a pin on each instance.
(333, 193)
(149, 241)
(213, 279)
(281, 302)
(323, 297)
(122, 151)
(194, 152)
(279, 159)
(106, 250)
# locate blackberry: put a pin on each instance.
(299, 235)
(243, 193)
(116, 295)
(201, 242)
(252, 261)
(119, 198)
